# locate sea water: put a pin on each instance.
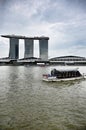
(28, 103)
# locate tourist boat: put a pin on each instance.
(63, 75)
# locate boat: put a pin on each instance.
(63, 75)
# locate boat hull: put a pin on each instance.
(54, 79)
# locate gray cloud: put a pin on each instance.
(2, 10)
(80, 3)
(64, 10)
(64, 21)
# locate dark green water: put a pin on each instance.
(28, 103)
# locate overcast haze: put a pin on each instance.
(63, 21)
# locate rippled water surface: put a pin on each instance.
(28, 103)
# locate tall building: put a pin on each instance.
(43, 49)
(14, 48)
(29, 46)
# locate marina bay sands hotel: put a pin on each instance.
(29, 46)
(13, 58)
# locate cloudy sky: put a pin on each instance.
(63, 21)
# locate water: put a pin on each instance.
(28, 103)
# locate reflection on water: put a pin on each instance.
(28, 103)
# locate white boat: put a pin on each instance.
(63, 75)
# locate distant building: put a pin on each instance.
(68, 60)
(28, 46)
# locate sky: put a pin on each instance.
(63, 21)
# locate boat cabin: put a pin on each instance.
(65, 73)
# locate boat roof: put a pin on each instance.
(66, 70)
